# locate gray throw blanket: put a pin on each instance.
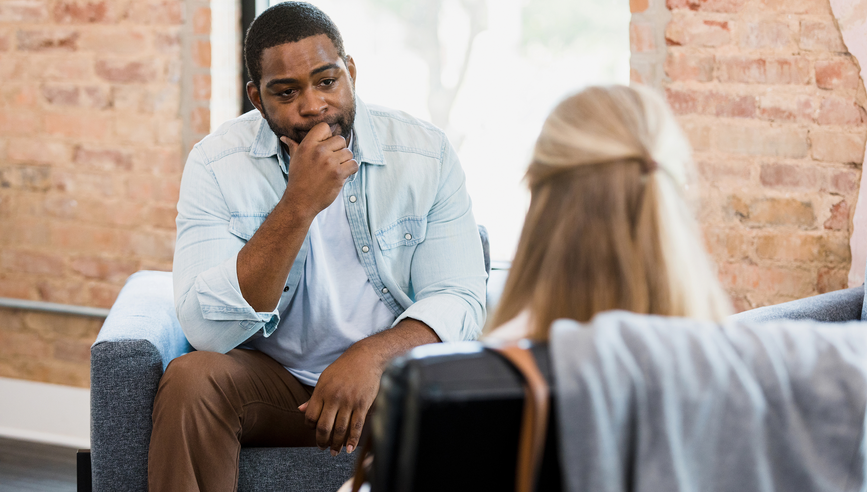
(649, 403)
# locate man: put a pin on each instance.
(317, 239)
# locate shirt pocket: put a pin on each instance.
(245, 225)
(407, 231)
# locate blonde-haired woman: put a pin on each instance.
(608, 225)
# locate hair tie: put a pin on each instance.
(649, 165)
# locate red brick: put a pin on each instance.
(202, 87)
(745, 277)
(157, 12)
(727, 243)
(5, 41)
(21, 96)
(38, 150)
(136, 129)
(714, 172)
(699, 134)
(103, 268)
(202, 53)
(106, 160)
(202, 19)
(747, 70)
(845, 182)
(200, 120)
(775, 142)
(765, 35)
(81, 184)
(72, 350)
(169, 131)
(26, 345)
(801, 248)
(61, 95)
(93, 126)
(159, 161)
(63, 292)
(797, 6)
(831, 279)
(61, 207)
(168, 42)
(689, 30)
(711, 103)
(55, 39)
(66, 69)
(687, 66)
(834, 146)
(839, 219)
(837, 73)
(775, 106)
(26, 177)
(789, 176)
(103, 295)
(31, 262)
(162, 217)
(155, 189)
(116, 40)
(123, 213)
(641, 37)
(153, 244)
(780, 212)
(125, 71)
(19, 123)
(18, 289)
(840, 111)
(84, 12)
(82, 238)
(821, 36)
(20, 11)
(729, 6)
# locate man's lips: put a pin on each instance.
(334, 128)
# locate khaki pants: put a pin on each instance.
(208, 405)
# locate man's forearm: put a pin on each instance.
(264, 262)
(390, 343)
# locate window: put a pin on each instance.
(487, 72)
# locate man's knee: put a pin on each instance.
(194, 378)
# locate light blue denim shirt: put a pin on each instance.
(408, 208)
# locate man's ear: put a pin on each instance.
(255, 96)
(350, 65)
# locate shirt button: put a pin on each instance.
(286, 289)
(407, 236)
(365, 249)
(352, 199)
(385, 290)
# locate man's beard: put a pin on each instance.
(343, 120)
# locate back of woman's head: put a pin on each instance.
(608, 225)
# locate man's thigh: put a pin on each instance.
(247, 391)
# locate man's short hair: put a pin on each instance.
(286, 22)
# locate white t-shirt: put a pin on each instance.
(334, 306)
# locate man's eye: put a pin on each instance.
(328, 82)
(287, 93)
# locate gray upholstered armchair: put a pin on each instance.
(139, 338)
(840, 305)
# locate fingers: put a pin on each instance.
(321, 131)
(325, 425)
(340, 432)
(291, 145)
(303, 407)
(356, 424)
(312, 410)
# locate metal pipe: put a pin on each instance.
(53, 307)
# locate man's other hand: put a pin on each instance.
(318, 167)
(342, 397)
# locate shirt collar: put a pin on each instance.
(365, 147)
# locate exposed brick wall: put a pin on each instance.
(774, 107)
(99, 101)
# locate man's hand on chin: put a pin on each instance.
(342, 397)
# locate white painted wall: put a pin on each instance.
(47, 413)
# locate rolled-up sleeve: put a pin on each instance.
(211, 309)
(448, 267)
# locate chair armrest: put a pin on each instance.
(840, 305)
(140, 336)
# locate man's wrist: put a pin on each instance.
(294, 212)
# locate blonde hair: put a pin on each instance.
(608, 225)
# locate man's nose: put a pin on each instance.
(311, 104)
